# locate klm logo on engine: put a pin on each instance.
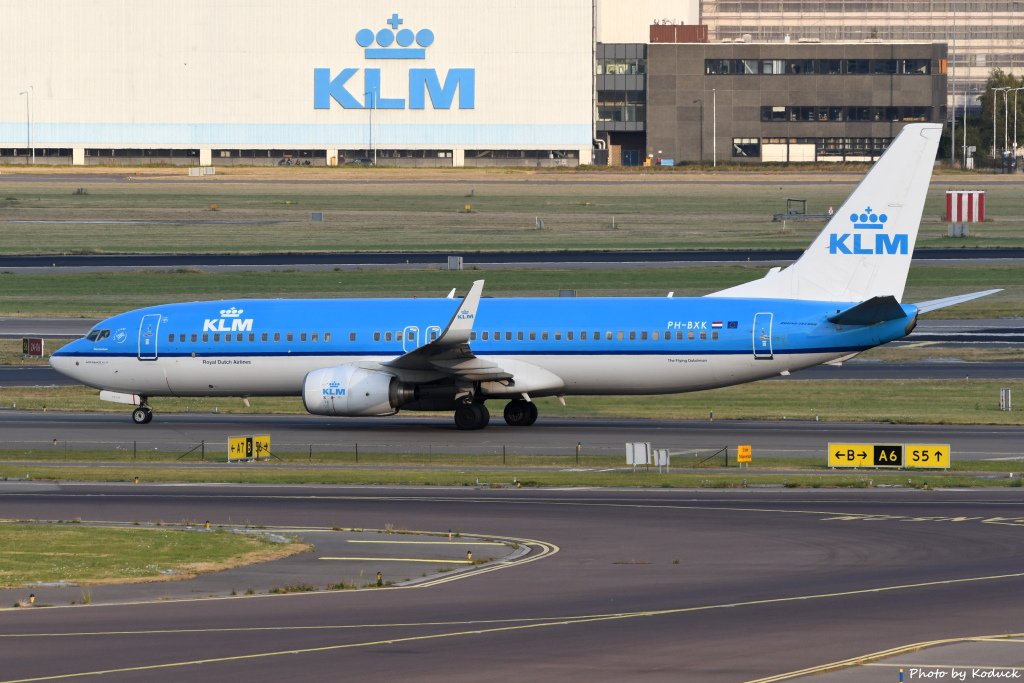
(423, 84)
(871, 239)
(334, 389)
(230, 320)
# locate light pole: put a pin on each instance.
(994, 112)
(701, 103)
(28, 120)
(714, 128)
(372, 95)
(1015, 91)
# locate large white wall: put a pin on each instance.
(239, 73)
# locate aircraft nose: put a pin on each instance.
(64, 361)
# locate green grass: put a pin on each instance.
(652, 211)
(92, 295)
(44, 553)
(899, 401)
(505, 477)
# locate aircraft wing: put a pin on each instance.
(936, 304)
(450, 352)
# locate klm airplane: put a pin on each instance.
(374, 357)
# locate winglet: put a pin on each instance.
(936, 304)
(461, 323)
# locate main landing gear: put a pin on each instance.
(520, 413)
(472, 415)
(142, 415)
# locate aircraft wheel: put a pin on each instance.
(519, 413)
(472, 416)
(142, 415)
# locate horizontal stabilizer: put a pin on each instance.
(936, 304)
(875, 310)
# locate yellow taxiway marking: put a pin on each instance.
(883, 654)
(566, 621)
(430, 542)
(394, 559)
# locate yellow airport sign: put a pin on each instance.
(922, 455)
(248, 447)
(865, 455)
(744, 453)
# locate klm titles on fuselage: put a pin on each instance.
(423, 84)
(867, 242)
(230, 320)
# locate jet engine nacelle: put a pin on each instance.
(351, 391)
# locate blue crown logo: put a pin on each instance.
(403, 38)
(868, 220)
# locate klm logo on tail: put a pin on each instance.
(874, 242)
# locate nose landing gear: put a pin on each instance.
(142, 415)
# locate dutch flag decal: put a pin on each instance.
(716, 325)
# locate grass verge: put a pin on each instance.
(96, 295)
(960, 401)
(88, 555)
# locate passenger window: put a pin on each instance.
(519, 336)
(568, 335)
(170, 337)
(632, 335)
(533, 336)
(193, 337)
(206, 337)
(486, 336)
(508, 336)
(252, 336)
(327, 336)
(689, 335)
(472, 336)
(433, 335)
(239, 337)
(376, 336)
(621, 335)
(656, 335)
(583, 335)
(277, 336)
(227, 338)
(387, 336)
(315, 336)
(290, 336)
(643, 335)
(302, 337)
(263, 336)
(497, 336)
(714, 335)
(543, 336)
(558, 336)
(216, 337)
(398, 336)
(679, 335)
(703, 335)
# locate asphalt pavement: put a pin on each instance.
(655, 585)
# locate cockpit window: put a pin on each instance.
(97, 335)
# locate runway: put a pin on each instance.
(295, 435)
(703, 586)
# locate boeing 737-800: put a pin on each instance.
(366, 357)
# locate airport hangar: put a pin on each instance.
(432, 83)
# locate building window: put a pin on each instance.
(746, 147)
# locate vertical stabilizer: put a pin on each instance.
(866, 248)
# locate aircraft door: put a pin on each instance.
(410, 338)
(149, 330)
(763, 336)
